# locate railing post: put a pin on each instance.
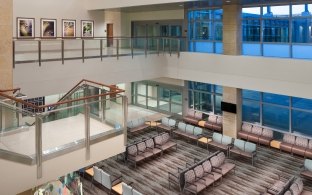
(62, 51)
(158, 46)
(39, 52)
(131, 42)
(163, 40)
(170, 51)
(117, 49)
(39, 146)
(103, 107)
(178, 48)
(101, 49)
(0, 117)
(83, 50)
(125, 117)
(87, 130)
(145, 49)
(13, 47)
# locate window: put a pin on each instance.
(277, 31)
(205, 97)
(288, 114)
(205, 30)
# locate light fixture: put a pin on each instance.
(228, 1)
(181, 5)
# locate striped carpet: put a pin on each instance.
(150, 177)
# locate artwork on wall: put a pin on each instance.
(25, 27)
(48, 28)
(69, 28)
(87, 29)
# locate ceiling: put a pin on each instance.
(204, 3)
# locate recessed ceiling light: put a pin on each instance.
(181, 5)
(228, 1)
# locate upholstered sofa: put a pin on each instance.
(297, 145)
(137, 125)
(256, 134)
(214, 123)
(193, 117)
(105, 179)
(244, 149)
(221, 142)
(188, 131)
(164, 142)
(307, 169)
(167, 125)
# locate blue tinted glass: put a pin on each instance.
(190, 85)
(206, 47)
(218, 89)
(218, 29)
(251, 30)
(190, 99)
(190, 15)
(203, 30)
(301, 122)
(251, 12)
(301, 103)
(218, 99)
(249, 94)
(301, 10)
(301, 30)
(276, 99)
(202, 14)
(202, 86)
(276, 50)
(276, 30)
(218, 14)
(276, 11)
(219, 48)
(251, 111)
(251, 49)
(302, 51)
(275, 117)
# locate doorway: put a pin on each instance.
(110, 35)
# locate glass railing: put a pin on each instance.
(89, 113)
(39, 50)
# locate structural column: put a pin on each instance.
(6, 59)
(232, 44)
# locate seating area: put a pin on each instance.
(244, 149)
(106, 180)
(256, 134)
(297, 145)
(137, 125)
(287, 186)
(167, 125)
(221, 142)
(212, 122)
(307, 169)
(188, 131)
(193, 117)
(202, 174)
(127, 189)
(148, 148)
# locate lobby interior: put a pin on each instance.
(140, 97)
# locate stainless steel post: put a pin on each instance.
(1, 117)
(103, 105)
(170, 50)
(117, 49)
(163, 40)
(39, 52)
(101, 49)
(62, 51)
(179, 48)
(158, 46)
(145, 49)
(83, 50)
(87, 130)
(13, 47)
(131, 42)
(125, 117)
(39, 146)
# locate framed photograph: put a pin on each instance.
(68, 28)
(48, 28)
(25, 27)
(87, 28)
